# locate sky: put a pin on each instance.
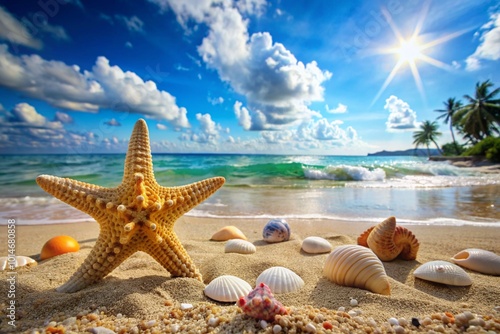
(248, 76)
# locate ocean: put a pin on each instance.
(350, 188)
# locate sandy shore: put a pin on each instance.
(140, 296)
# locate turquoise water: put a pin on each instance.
(308, 187)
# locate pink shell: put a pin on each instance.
(261, 304)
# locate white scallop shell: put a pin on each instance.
(316, 245)
(443, 272)
(239, 246)
(17, 261)
(480, 260)
(357, 266)
(227, 288)
(280, 280)
(276, 230)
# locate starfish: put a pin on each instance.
(137, 215)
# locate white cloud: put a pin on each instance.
(132, 23)
(489, 48)
(63, 117)
(208, 132)
(104, 87)
(160, 126)
(216, 100)
(278, 88)
(341, 108)
(12, 30)
(401, 116)
(113, 122)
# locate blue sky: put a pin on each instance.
(248, 76)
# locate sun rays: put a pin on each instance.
(411, 51)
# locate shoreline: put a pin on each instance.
(141, 293)
(479, 164)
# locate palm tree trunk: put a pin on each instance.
(428, 151)
(438, 148)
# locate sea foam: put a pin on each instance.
(345, 173)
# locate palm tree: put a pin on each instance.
(428, 133)
(451, 106)
(481, 116)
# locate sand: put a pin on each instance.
(141, 297)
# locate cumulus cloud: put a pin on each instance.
(489, 49)
(113, 122)
(401, 116)
(216, 100)
(104, 87)
(63, 118)
(160, 126)
(341, 108)
(278, 87)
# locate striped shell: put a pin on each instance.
(280, 280)
(239, 246)
(276, 230)
(228, 233)
(357, 266)
(443, 272)
(389, 241)
(15, 261)
(227, 288)
(480, 260)
(316, 245)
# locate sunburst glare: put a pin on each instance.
(411, 50)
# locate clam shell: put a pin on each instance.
(276, 230)
(480, 260)
(239, 246)
(227, 288)
(280, 280)
(17, 261)
(316, 245)
(227, 233)
(443, 272)
(389, 241)
(357, 266)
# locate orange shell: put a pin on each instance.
(389, 241)
(59, 245)
(227, 233)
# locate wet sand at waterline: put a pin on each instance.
(140, 295)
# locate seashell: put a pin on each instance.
(443, 272)
(276, 230)
(11, 262)
(389, 241)
(227, 288)
(480, 260)
(357, 266)
(239, 246)
(59, 245)
(227, 233)
(261, 304)
(280, 280)
(316, 245)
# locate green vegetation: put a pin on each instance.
(478, 122)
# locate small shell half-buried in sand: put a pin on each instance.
(276, 230)
(280, 280)
(261, 304)
(389, 241)
(443, 272)
(228, 233)
(239, 246)
(479, 260)
(316, 245)
(11, 262)
(357, 266)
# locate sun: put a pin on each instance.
(412, 51)
(409, 50)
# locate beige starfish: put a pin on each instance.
(138, 215)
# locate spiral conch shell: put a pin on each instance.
(357, 266)
(389, 241)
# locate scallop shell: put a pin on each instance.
(480, 260)
(227, 233)
(276, 230)
(280, 280)
(443, 272)
(17, 261)
(389, 241)
(227, 288)
(239, 246)
(357, 266)
(316, 245)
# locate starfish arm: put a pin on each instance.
(86, 197)
(105, 256)
(179, 200)
(138, 159)
(169, 252)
